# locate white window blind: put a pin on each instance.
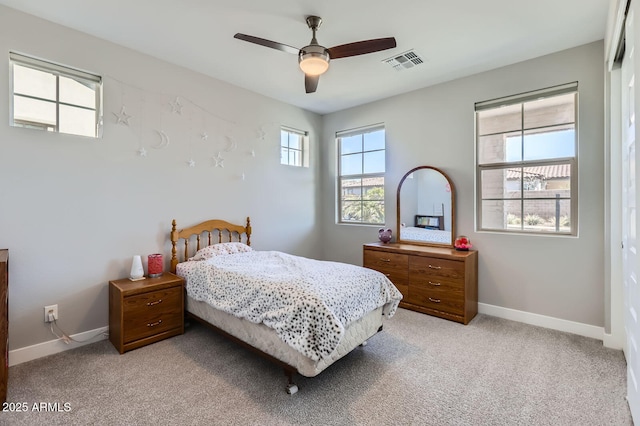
(54, 97)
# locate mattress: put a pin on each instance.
(424, 234)
(308, 303)
(265, 339)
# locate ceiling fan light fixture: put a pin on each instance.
(313, 60)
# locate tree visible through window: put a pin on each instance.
(54, 98)
(361, 176)
(527, 163)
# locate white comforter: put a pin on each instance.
(307, 302)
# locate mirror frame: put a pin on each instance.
(453, 210)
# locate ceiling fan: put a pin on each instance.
(314, 59)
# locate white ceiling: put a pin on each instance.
(455, 38)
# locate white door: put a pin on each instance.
(631, 251)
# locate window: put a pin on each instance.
(361, 160)
(527, 162)
(54, 98)
(293, 147)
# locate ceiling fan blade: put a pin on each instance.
(267, 43)
(311, 83)
(361, 47)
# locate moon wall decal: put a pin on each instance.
(164, 140)
(232, 145)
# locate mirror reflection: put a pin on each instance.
(425, 207)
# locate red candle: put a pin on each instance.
(155, 265)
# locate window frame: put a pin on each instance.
(349, 133)
(58, 71)
(572, 162)
(304, 146)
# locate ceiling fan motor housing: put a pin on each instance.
(314, 59)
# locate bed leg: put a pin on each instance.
(291, 388)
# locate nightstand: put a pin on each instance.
(145, 311)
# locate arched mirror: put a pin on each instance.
(426, 208)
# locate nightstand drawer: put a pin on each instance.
(152, 313)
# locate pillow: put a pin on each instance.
(220, 249)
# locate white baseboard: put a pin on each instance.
(613, 341)
(29, 353)
(544, 321)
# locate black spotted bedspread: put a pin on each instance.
(307, 302)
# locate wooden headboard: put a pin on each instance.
(209, 229)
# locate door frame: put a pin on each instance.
(614, 332)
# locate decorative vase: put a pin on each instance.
(384, 235)
(154, 265)
(137, 271)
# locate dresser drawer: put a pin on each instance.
(393, 265)
(436, 268)
(442, 300)
(435, 282)
(152, 313)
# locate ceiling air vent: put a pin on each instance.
(408, 59)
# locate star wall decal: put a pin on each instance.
(176, 106)
(142, 152)
(191, 162)
(122, 117)
(218, 160)
(204, 136)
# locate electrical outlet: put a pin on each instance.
(51, 309)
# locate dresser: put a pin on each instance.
(437, 281)
(145, 311)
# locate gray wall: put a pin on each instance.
(560, 277)
(75, 210)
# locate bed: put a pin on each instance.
(426, 228)
(425, 234)
(299, 313)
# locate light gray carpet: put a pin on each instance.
(420, 370)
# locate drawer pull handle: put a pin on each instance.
(154, 303)
(385, 260)
(434, 300)
(436, 284)
(435, 267)
(153, 324)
